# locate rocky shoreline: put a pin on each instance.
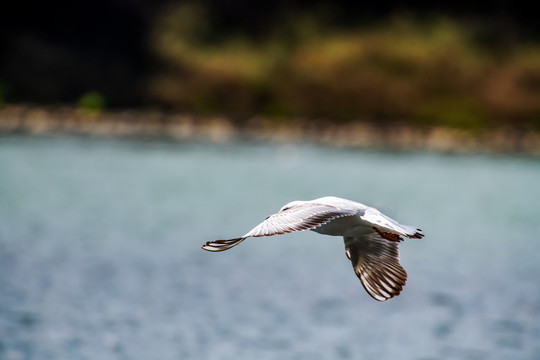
(177, 126)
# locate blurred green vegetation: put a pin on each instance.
(92, 103)
(425, 72)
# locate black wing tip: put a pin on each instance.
(417, 235)
(386, 297)
(209, 246)
(221, 245)
(383, 293)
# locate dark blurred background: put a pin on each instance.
(461, 63)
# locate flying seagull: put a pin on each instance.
(371, 238)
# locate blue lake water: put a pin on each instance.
(100, 253)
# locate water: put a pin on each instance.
(100, 253)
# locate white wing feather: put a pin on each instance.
(302, 217)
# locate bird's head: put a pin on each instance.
(291, 205)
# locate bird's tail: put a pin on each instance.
(222, 245)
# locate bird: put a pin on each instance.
(371, 238)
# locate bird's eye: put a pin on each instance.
(285, 209)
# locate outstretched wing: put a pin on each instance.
(375, 260)
(299, 218)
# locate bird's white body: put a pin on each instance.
(371, 238)
(361, 224)
(345, 226)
